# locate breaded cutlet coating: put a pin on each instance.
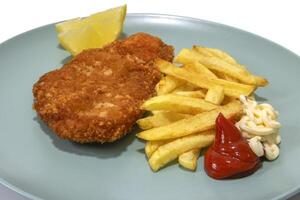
(96, 97)
(145, 47)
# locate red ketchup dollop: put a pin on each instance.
(230, 156)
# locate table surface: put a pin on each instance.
(277, 21)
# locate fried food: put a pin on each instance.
(186, 56)
(195, 124)
(215, 95)
(186, 87)
(189, 159)
(230, 88)
(170, 151)
(195, 87)
(178, 103)
(96, 97)
(195, 94)
(152, 146)
(212, 52)
(167, 84)
(226, 77)
(160, 119)
(199, 68)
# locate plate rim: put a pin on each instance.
(285, 195)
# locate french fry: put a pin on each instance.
(227, 100)
(215, 95)
(154, 112)
(170, 151)
(212, 52)
(222, 55)
(194, 94)
(160, 119)
(213, 63)
(152, 146)
(167, 84)
(195, 124)
(226, 77)
(230, 88)
(189, 159)
(203, 50)
(186, 87)
(189, 100)
(199, 68)
(177, 103)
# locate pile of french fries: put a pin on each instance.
(189, 98)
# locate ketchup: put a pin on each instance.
(230, 156)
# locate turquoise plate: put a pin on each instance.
(39, 165)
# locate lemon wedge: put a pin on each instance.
(69, 25)
(76, 40)
(94, 31)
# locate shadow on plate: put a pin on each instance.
(259, 98)
(60, 47)
(103, 151)
(123, 36)
(66, 60)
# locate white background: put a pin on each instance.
(277, 20)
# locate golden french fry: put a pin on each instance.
(212, 52)
(186, 87)
(189, 159)
(170, 151)
(215, 95)
(199, 68)
(195, 124)
(226, 77)
(168, 84)
(177, 103)
(203, 50)
(228, 99)
(160, 119)
(154, 112)
(222, 55)
(213, 63)
(152, 146)
(230, 88)
(194, 94)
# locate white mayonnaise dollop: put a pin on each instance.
(260, 126)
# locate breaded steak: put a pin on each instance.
(96, 96)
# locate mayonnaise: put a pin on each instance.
(260, 126)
